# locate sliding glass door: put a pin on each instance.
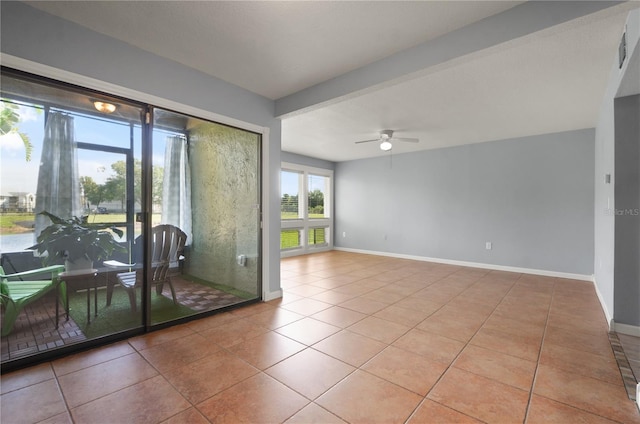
(206, 185)
(118, 216)
(71, 168)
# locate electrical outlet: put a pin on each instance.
(487, 245)
(344, 234)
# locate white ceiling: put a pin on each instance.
(547, 82)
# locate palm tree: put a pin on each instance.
(9, 119)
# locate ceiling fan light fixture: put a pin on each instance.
(386, 145)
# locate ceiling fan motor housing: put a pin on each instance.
(386, 134)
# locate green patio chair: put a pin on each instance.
(16, 294)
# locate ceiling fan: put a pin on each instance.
(386, 138)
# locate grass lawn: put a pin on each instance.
(10, 223)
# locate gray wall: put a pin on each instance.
(307, 161)
(604, 219)
(531, 197)
(30, 34)
(627, 211)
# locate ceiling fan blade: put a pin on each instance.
(367, 141)
(407, 140)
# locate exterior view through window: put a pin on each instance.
(111, 223)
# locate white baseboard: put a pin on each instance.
(473, 264)
(607, 314)
(630, 330)
(267, 296)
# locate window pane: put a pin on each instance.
(290, 239)
(290, 199)
(317, 236)
(317, 193)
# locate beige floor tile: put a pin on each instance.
(517, 328)
(589, 394)
(452, 324)
(577, 340)
(408, 317)
(266, 349)
(364, 398)
(547, 411)
(31, 404)
(480, 397)
(158, 337)
(26, 377)
(338, 316)
(209, 376)
(430, 412)
(87, 384)
(275, 318)
(150, 401)
(349, 347)
(314, 414)
(252, 309)
(333, 297)
(189, 416)
(64, 418)
(259, 399)
(406, 369)
(310, 372)
(498, 366)
(379, 329)
(207, 323)
(308, 331)
(234, 332)
(433, 346)
(171, 355)
(426, 306)
(91, 357)
(365, 306)
(306, 306)
(469, 339)
(510, 344)
(306, 290)
(384, 295)
(603, 368)
(354, 289)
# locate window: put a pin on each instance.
(306, 220)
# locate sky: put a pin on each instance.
(18, 175)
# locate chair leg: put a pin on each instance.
(110, 285)
(132, 298)
(173, 291)
(11, 312)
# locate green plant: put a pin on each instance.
(73, 239)
(9, 119)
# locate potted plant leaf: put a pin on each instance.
(78, 243)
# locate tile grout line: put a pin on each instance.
(458, 354)
(535, 373)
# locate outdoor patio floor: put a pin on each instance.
(34, 330)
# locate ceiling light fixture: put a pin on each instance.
(104, 107)
(386, 145)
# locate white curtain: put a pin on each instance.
(176, 190)
(58, 189)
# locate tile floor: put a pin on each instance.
(359, 339)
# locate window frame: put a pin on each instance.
(305, 224)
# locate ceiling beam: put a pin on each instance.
(520, 21)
